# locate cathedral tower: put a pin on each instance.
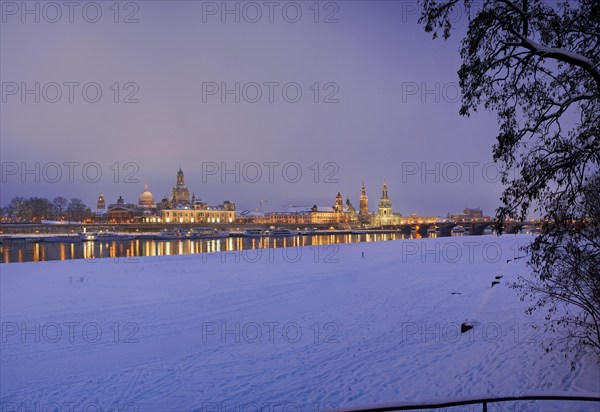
(364, 202)
(101, 203)
(181, 194)
(339, 203)
(385, 207)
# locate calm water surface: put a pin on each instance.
(19, 251)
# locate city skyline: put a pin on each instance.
(148, 197)
(383, 107)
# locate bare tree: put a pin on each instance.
(76, 210)
(566, 261)
(41, 208)
(19, 209)
(536, 65)
(60, 205)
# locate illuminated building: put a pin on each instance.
(315, 215)
(384, 215)
(364, 203)
(146, 199)
(100, 204)
(224, 213)
(120, 212)
(179, 209)
(180, 194)
(469, 215)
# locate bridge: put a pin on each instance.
(473, 227)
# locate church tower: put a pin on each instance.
(181, 194)
(349, 206)
(384, 209)
(364, 202)
(101, 203)
(339, 203)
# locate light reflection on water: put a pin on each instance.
(19, 251)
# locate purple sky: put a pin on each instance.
(376, 60)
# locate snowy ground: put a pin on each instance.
(316, 328)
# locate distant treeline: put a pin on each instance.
(36, 209)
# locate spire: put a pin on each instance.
(145, 187)
(364, 201)
(384, 191)
(180, 177)
(339, 203)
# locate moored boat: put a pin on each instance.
(171, 234)
(253, 232)
(104, 236)
(206, 233)
(282, 232)
(458, 231)
(61, 239)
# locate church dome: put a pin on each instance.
(146, 198)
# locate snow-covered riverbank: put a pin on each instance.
(319, 327)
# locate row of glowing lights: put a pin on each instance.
(182, 220)
(184, 247)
